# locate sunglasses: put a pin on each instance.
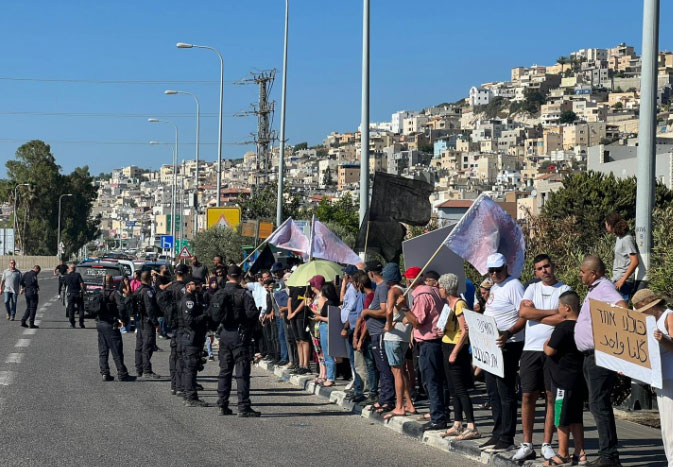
(496, 270)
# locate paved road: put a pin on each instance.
(55, 410)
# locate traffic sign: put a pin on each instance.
(223, 217)
(182, 242)
(166, 242)
(184, 253)
(130, 223)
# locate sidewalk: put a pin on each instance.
(639, 445)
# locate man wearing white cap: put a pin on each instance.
(503, 305)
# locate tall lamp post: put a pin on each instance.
(156, 143)
(183, 45)
(175, 173)
(16, 223)
(58, 230)
(196, 172)
(364, 126)
(281, 156)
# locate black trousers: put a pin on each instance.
(234, 356)
(110, 341)
(271, 344)
(146, 339)
(31, 307)
(75, 301)
(502, 394)
(459, 379)
(60, 284)
(600, 382)
(191, 355)
(176, 361)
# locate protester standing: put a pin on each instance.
(9, 287)
(349, 299)
(539, 308)
(199, 271)
(457, 360)
(364, 360)
(600, 381)
(503, 305)
(626, 255)
(646, 301)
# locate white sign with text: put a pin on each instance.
(483, 335)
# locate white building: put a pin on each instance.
(480, 96)
(397, 120)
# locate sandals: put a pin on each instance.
(579, 459)
(557, 460)
(453, 431)
(468, 434)
(383, 409)
(327, 384)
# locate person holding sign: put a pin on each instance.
(503, 305)
(539, 308)
(646, 301)
(564, 363)
(600, 381)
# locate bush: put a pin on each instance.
(218, 241)
(661, 262)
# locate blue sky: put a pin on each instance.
(423, 53)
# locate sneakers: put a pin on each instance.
(525, 452)
(501, 446)
(249, 413)
(489, 443)
(225, 411)
(126, 378)
(211, 358)
(107, 378)
(433, 426)
(150, 375)
(23, 324)
(282, 363)
(33, 326)
(196, 403)
(547, 451)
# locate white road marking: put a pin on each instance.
(29, 332)
(6, 378)
(22, 343)
(37, 322)
(14, 358)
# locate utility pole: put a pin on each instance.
(281, 155)
(364, 125)
(647, 131)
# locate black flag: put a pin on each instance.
(385, 238)
(263, 261)
(400, 199)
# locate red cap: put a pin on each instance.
(317, 282)
(412, 272)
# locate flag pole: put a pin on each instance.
(264, 242)
(310, 247)
(366, 237)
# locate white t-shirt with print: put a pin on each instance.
(544, 297)
(503, 305)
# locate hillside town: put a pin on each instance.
(512, 139)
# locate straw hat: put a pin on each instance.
(486, 284)
(648, 297)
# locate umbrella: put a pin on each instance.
(316, 267)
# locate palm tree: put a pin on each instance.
(562, 61)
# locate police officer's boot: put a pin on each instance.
(196, 403)
(249, 413)
(225, 411)
(107, 378)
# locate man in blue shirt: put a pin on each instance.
(353, 302)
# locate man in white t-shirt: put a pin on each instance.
(503, 305)
(539, 308)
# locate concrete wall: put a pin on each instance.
(25, 263)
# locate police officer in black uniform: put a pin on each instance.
(60, 271)
(75, 287)
(194, 326)
(176, 292)
(31, 289)
(112, 314)
(233, 308)
(146, 336)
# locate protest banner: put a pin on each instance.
(624, 342)
(485, 351)
(336, 345)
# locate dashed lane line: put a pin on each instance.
(7, 377)
(29, 332)
(22, 343)
(14, 358)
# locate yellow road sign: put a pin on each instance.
(224, 217)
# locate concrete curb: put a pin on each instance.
(403, 425)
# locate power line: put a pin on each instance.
(139, 143)
(108, 81)
(103, 114)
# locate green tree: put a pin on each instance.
(562, 61)
(343, 212)
(218, 241)
(568, 116)
(262, 204)
(300, 146)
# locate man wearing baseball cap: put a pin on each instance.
(503, 305)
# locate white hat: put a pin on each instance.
(496, 260)
(294, 268)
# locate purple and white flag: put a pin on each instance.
(486, 229)
(326, 245)
(289, 236)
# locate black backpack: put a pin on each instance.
(94, 303)
(222, 308)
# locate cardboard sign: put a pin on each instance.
(265, 229)
(624, 342)
(335, 343)
(485, 351)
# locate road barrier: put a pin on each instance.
(24, 263)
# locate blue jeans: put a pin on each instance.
(330, 363)
(372, 372)
(431, 363)
(357, 381)
(281, 339)
(163, 327)
(10, 303)
(209, 346)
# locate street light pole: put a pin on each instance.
(173, 186)
(281, 156)
(182, 45)
(647, 131)
(58, 230)
(16, 223)
(196, 173)
(175, 173)
(364, 125)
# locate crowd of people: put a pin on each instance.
(398, 353)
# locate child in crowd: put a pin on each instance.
(565, 366)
